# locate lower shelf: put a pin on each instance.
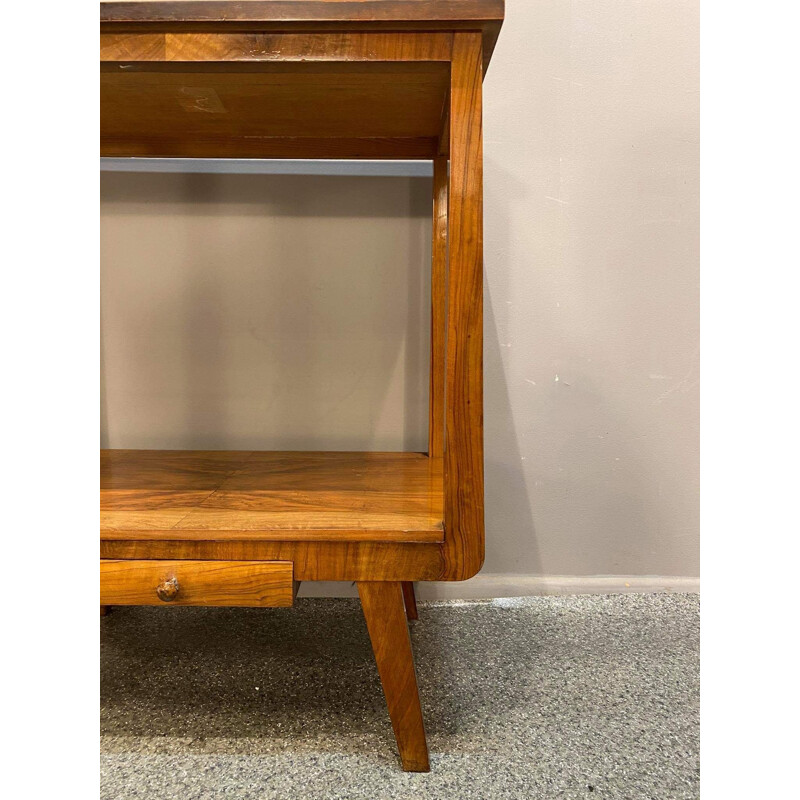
(189, 495)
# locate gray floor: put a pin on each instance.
(538, 698)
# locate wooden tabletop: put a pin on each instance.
(379, 11)
(307, 15)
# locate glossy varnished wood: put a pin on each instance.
(308, 15)
(313, 79)
(244, 112)
(235, 51)
(385, 614)
(272, 95)
(464, 541)
(420, 13)
(197, 583)
(458, 228)
(216, 496)
(313, 561)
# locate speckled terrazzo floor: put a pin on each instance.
(559, 697)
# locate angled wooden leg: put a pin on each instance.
(103, 610)
(382, 602)
(410, 600)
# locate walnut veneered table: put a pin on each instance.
(388, 79)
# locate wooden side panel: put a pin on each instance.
(438, 310)
(196, 583)
(463, 549)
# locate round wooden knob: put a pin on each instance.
(168, 589)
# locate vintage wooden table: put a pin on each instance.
(318, 79)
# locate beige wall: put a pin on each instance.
(275, 311)
(265, 311)
(592, 325)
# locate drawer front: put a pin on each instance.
(196, 583)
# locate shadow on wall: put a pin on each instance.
(265, 312)
(545, 434)
(548, 420)
(591, 367)
(507, 502)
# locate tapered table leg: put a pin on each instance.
(382, 602)
(103, 610)
(410, 600)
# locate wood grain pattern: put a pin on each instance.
(313, 79)
(173, 520)
(197, 583)
(131, 49)
(190, 496)
(410, 600)
(464, 532)
(384, 612)
(339, 95)
(313, 561)
(308, 15)
(438, 310)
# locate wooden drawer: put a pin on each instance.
(196, 583)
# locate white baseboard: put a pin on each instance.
(486, 586)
